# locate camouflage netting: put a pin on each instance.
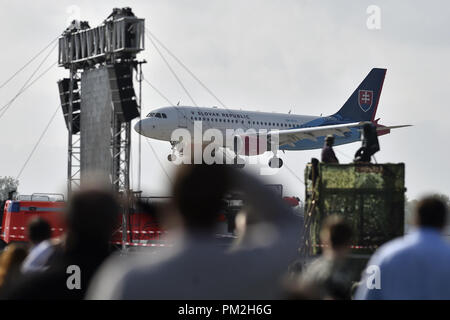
(369, 196)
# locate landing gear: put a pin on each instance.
(275, 163)
(176, 147)
(171, 157)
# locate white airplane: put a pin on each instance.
(295, 132)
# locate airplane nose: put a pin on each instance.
(146, 127)
(138, 127)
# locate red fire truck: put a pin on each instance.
(143, 229)
(17, 214)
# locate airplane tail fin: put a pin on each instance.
(362, 104)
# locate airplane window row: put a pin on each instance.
(273, 124)
(216, 120)
(157, 115)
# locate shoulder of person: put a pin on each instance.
(390, 251)
(110, 277)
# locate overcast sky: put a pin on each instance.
(307, 56)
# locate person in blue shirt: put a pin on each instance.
(416, 266)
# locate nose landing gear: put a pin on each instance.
(275, 162)
(176, 147)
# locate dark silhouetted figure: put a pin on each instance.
(370, 144)
(330, 276)
(314, 173)
(118, 13)
(39, 234)
(91, 218)
(38, 230)
(328, 155)
(416, 266)
(198, 267)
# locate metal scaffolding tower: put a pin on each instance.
(98, 99)
(113, 45)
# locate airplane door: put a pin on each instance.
(182, 119)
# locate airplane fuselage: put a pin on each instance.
(161, 123)
(252, 128)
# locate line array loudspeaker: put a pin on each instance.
(122, 91)
(64, 95)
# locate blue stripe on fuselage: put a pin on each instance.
(306, 144)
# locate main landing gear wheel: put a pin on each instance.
(275, 163)
(171, 157)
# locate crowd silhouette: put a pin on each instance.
(258, 265)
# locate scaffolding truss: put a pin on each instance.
(74, 139)
(111, 40)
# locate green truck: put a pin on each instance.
(371, 197)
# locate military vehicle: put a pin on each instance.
(370, 197)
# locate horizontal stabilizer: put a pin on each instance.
(393, 127)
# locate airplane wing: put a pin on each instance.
(293, 135)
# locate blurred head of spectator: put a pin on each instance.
(329, 276)
(91, 218)
(39, 233)
(10, 263)
(38, 230)
(198, 193)
(431, 212)
(335, 236)
(329, 140)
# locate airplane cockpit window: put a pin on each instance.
(157, 115)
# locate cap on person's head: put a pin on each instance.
(336, 232)
(92, 215)
(431, 212)
(199, 192)
(39, 230)
(329, 138)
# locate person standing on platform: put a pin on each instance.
(328, 155)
